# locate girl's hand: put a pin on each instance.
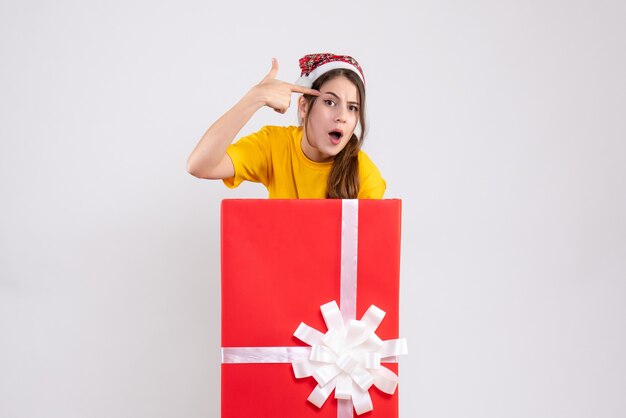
(277, 94)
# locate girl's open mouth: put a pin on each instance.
(335, 136)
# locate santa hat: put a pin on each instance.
(314, 65)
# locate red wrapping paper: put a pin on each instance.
(280, 262)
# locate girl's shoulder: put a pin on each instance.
(275, 130)
(282, 136)
(365, 161)
(373, 185)
(367, 168)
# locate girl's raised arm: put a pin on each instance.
(209, 159)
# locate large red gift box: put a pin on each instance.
(281, 260)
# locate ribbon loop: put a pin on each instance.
(385, 380)
(319, 395)
(373, 317)
(322, 354)
(302, 369)
(371, 360)
(333, 340)
(332, 317)
(308, 335)
(362, 378)
(326, 373)
(392, 348)
(347, 363)
(343, 390)
(362, 401)
(356, 333)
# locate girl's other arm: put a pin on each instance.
(209, 159)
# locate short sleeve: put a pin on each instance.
(373, 185)
(250, 156)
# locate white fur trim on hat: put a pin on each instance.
(307, 81)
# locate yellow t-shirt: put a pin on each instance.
(273, 156)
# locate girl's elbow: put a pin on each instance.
(202, 171)
(206, 170)
(194, 169)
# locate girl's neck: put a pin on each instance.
(311, 152)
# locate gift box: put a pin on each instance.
(281, 261)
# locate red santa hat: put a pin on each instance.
(314, 65)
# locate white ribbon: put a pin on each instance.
(349, 254)
(264, 354)
(347, 358)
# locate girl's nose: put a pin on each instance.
(341, 115)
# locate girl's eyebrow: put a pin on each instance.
(338, 98)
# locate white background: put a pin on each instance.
(501, 125)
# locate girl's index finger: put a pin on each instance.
(304, 90)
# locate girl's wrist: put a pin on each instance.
(255, 98)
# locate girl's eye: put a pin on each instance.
(329, 102)
(353, 108)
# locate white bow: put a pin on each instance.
(347, 359)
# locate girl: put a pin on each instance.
(321, 158)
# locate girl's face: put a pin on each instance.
(331, 119)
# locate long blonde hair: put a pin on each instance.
(343, 180)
